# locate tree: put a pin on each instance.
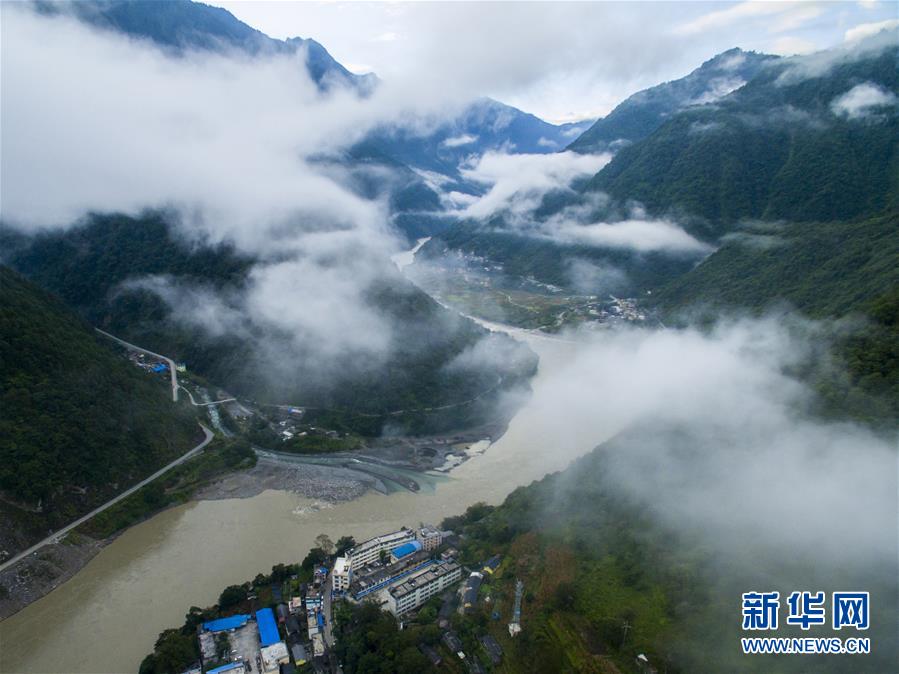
(325, 543)
(316, 556)
(344, 543)
(174, 652)
(232, 595)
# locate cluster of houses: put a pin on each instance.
(397, 570)
(400, 571)
(268, 641)
(243, 643)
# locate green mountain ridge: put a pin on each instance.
(774, 149)
(78, 422)
(90, 266)
(642, 113)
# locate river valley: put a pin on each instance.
(148, 577)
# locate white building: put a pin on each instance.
(341, 575)
(415, 590)
(274, 656)
(370, 551)
(429, 537)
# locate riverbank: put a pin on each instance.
(44, 571)
(184, 556)
(335, 479)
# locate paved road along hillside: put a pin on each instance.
(172, 369)
(57, 535)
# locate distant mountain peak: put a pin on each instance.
(179, 26)
(641, 114)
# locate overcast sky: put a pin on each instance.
(561, 61)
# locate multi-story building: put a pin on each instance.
(416, 589)
(341, 575)
(429, 537)
(365, 553)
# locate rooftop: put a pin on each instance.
(268, 630)
(230, 667)
(229, 623)
(377, 540)
(406, 549)
(423, 577)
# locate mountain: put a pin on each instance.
(824, 270)
(482, 126)
(821, 268)
(78, 422)
(92, 267)
(641, 114)
(788, 145)
(426, 159)
(607, 582)
(179, 26)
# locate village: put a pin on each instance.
(282, 625)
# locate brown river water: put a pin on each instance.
(108, 616)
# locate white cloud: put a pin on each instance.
(864, 30)
(861, 100)
(560, 61)
(758, 471)
(640, 235)
(459, 141)
(790, 15)
(222, 139)
(718, 88)
(518, 182)
(225, 144)
(819, 63)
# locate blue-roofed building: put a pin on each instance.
(229, 623)
(268, 628)
(405, 550)
(160, 367)
(230, 667)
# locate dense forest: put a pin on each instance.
(89, 265)
(642, 113)
(592, 570)
(825, 270)
(774, 149)
(78, 422)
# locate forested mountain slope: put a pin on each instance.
(78, 422)
(641, 114)
(789, 145)
(92, 266)
(615, 579)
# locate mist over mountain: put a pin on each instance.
(711, 268)
(788, 145)
(181, 26)
(807, 139)
(641, 114)
(271, 274)
(410, 160)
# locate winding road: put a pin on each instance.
(57, 535)
(208, 435)
(171, 363)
